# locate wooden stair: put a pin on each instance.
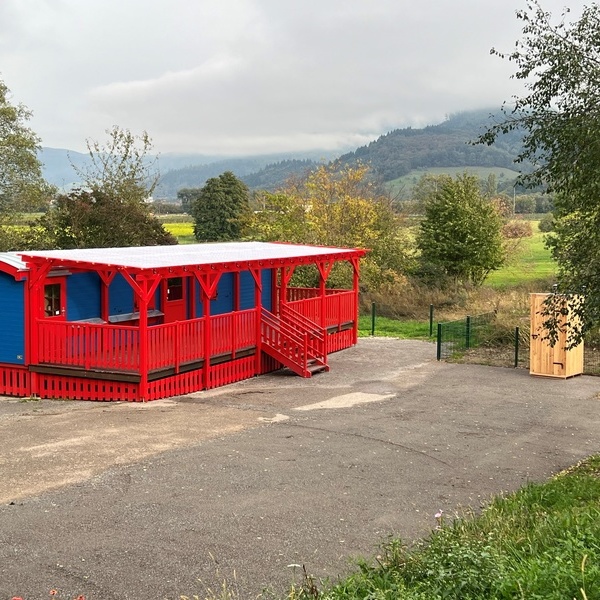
(296, 342)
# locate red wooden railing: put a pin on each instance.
(233, 331)
(316, 336)
(284, 343)
(172, 344)
(294, 293)
(88, 345)
(340, 307)
(116, 347)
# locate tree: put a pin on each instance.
(96, 219)
(460, 235)
(559, 116)
(22, 186)
(220, 208)
(121, 167)
(112, 210)
(337, 208)
(187, 197)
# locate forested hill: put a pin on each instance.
(274, 175)
(445, 145)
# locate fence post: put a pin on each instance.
(372, 318)
(430, 320)
(439, 341)
(468, 333)
(516, 347)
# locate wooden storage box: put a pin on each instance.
(547, 360)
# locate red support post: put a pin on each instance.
(256, 275)
(356, 271)
(144, 354)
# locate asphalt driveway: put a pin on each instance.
(129, 501)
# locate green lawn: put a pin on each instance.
(405, 183)
(384, 327)
(532, 263)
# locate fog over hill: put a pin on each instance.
(392, 155)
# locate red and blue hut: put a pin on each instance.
(145, 323)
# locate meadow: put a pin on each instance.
(531, 263)
(403, 185)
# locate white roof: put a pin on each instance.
(156, 257)
(13, 259)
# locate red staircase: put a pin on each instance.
(295, 341)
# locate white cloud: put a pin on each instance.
(245, 76)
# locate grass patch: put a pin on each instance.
(531, 263)
(541, 542)
(405, 183)
(386, 327)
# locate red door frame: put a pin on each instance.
(175, 309)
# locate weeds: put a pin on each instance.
(541, 542)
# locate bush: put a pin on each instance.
(546, 223)
(515, 230)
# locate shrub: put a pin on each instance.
(516, 230)
(546, 223)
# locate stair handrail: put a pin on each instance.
(315, 331)
(297, 339)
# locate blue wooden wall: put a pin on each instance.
(224, 301)
(83, 296)
(12, 348)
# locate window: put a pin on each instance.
(174, 288)
(52, 300)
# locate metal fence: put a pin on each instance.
(480, 340)
(456, 337)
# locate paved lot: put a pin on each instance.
(122, 501)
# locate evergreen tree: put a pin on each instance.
(220, 208)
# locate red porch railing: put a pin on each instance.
(233, 331)
(88, 345)
(116, 347)
(172, 344)
(340, 306)
(316, 336)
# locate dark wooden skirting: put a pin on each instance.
(125, 376)
(340, 327)
(131, 377)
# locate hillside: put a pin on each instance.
(448, 144)
(392, 156)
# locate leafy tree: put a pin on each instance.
(559, 117)
(96, 219)
(22, 186)
(220, 208)
(112, 209)
(524, 204)
(337, 208)
(460, 234)
(121, 167)
(187, 197)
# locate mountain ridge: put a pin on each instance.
(392, 155)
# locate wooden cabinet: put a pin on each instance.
(547, 360)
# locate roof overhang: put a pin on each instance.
(179, 259)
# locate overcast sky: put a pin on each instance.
(253, 76)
